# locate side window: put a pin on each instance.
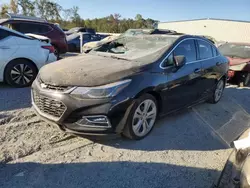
(3, 34)
(214, 51)
(42, 28)
(24, 27)
(186, 48)
(205, 49)
(169, 61)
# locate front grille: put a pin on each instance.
(48, 106)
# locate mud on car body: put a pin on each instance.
(123, 86)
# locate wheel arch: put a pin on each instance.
(155, 94)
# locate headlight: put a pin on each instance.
(104, 91)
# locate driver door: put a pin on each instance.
(182, 83)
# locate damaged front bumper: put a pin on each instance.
(79, 116)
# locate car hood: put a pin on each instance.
(88, 70)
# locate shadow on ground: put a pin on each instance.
(14, 98)
(180, 131)
(104, 174)
(203, 127)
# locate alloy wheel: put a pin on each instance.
(21, 74)
(144, 118)
(219, 90)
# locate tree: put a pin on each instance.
(75, 15)
(14, 6)
(138, 17)
(4, 9)
(67, 14)
(27, 7)
(48, 9)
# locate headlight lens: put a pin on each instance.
(104, 91)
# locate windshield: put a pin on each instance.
(235, 50)
(133, 47)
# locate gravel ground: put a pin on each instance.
(186, 149)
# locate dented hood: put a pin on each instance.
(87, 70)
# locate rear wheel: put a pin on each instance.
(142, 117)
(218, 91)
(20, 73)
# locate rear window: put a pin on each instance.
(31, 28)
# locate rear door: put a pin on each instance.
(182, 87)
(210, 62)
(8, 46)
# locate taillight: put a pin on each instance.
(50, 48)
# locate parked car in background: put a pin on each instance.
(239, 61)
(80, 29)
(33, 25)
(21, 57)
(123, 86)
(74, 40)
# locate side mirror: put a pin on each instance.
(179, 60)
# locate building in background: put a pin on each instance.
(220, 29)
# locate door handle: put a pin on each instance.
(4, 47)
(218, 63)
(197, 70)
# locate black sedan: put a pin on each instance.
(123, 86)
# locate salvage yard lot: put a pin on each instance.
(186, 149)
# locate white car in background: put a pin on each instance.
(21, 57)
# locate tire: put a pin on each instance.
(216, 96)
(20, 73)
(244, 80)
(138, 124)
(226, 176)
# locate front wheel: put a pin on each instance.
(141, 118)
(218, 91)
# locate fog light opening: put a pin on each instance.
(94, 121)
